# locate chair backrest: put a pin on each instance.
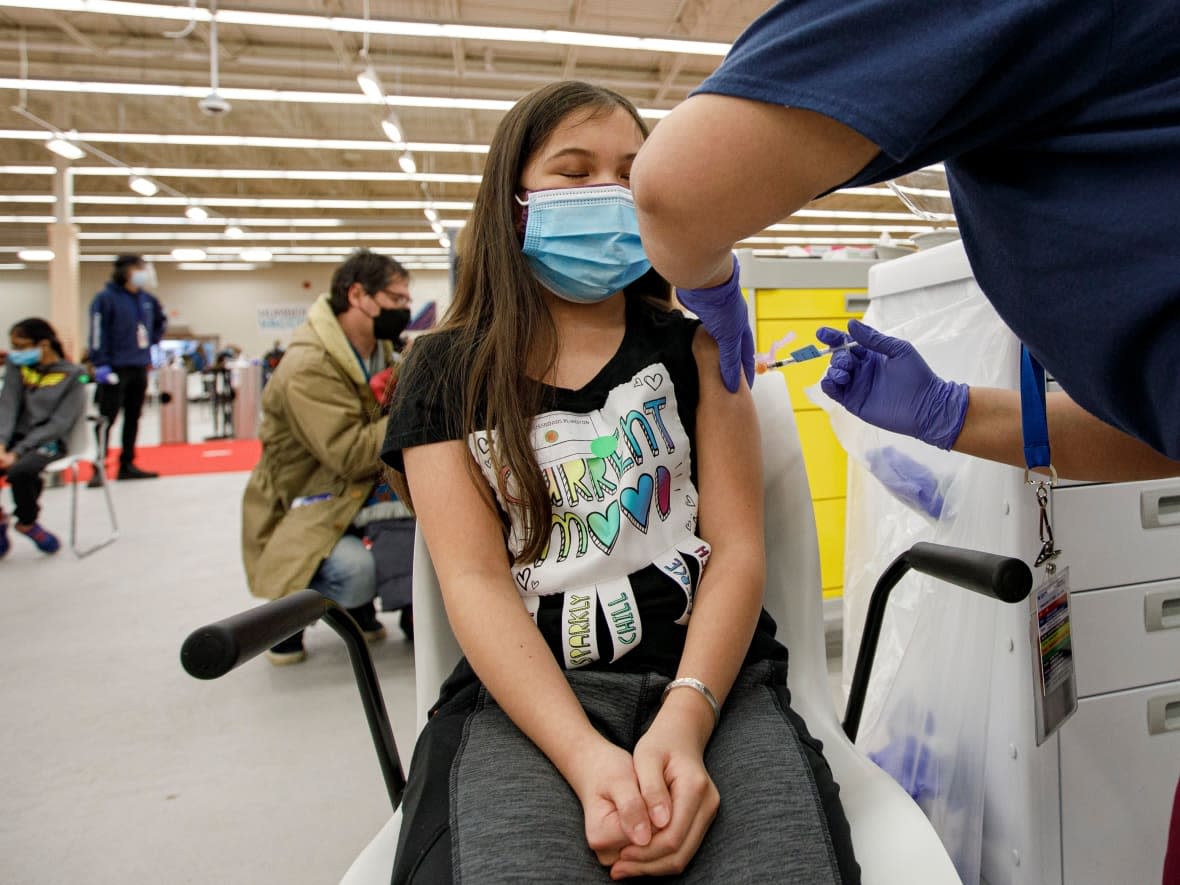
(80, 442)
(793, 595)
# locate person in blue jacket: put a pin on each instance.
(125, 321)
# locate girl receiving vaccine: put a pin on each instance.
(591, 498)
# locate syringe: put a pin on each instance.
(810, 352)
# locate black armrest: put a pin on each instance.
(214, 650)
(998, 577)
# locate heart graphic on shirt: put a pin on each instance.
(604, 528)
(638, 382)
(653, 381)
(637, 502)
(689, 501)
(522, 578)
(483, 444)
(663, 492)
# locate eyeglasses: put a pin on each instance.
(399, 299)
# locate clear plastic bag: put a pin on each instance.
(925, 718)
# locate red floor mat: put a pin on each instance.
(220, 456)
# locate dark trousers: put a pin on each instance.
(25, 479)
(128, 394)
(482, 803)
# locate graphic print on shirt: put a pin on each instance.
(620, 484)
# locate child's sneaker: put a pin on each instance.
(46, 541)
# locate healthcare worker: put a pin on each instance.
(1058, 125)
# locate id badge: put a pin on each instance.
(1055, 689)
(141, 336)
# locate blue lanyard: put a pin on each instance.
(365, 367)
(1034, 423)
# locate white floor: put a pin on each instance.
(120, 768)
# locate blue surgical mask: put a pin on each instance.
(141, 279)
(582, 243)
(30, 357)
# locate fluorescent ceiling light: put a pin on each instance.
(392, 128)
(431, 214)
(196, 213)
(348, 25)
(444, 242)
(234, 231)
(252, 141)
(438, 229)
(144, 186)
(275, 236)
(406, 161)
(318, 250)
(260, 256)
(35, 254)
(370, 85)
(846, 213)
(170, 220)
(12, 265)
(270, 96)
(254, 202)
(257, 174)
(188, 254)
(217, 265)
(65, 148)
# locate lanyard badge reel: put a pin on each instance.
(1054, 682)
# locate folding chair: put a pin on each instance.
(894, 842)
(83, 445)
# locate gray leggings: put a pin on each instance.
(485, 805)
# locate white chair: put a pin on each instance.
(82, 446)
(893, 841)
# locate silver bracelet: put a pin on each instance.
(689, 682)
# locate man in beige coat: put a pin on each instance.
(321, 433)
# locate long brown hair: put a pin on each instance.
(498, 320)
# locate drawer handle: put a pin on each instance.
(1161, 610)
(854, 303)
(1163, 714)
(1159, 507)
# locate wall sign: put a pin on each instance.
(280, 317)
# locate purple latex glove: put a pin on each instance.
(886, 382)
(910, 481)
(724, 315)
(105, 375)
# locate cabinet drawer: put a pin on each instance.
(800, 375)
(1120, 533)
(1118, 773)
(829, 525)
(795, 303)
(827, 464)
(1126, 637)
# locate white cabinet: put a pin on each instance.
(1120, 757)
(1091, 806)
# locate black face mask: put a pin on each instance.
(389, 324)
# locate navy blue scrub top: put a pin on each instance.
(1059, 123)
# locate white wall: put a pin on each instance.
(224, 303)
